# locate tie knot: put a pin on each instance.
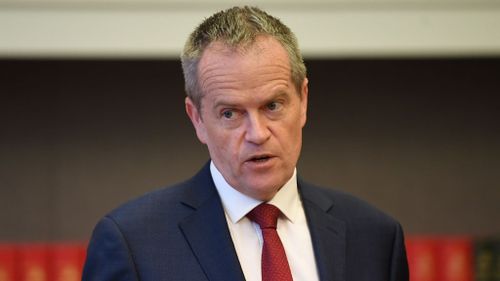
(265, 215)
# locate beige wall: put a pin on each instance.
(326, 29)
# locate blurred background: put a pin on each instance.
(404, 108)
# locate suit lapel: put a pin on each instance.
(207, 233)
(327, 232)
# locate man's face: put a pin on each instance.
(251, 115)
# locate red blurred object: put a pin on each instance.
(422, 258)
(33, 262)
(67, 261)
(455, 259)
(440, 258)
(8, 262)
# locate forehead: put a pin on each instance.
(262, 61)
(265, 50)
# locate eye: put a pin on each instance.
(228, 114)
(274, 106)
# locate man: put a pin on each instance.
(247, 99)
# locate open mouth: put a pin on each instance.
(260, 158)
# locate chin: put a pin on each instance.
(263, 196)
(263, 192)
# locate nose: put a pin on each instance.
(257, 129)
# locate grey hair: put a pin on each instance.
(237, 27)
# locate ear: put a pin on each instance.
(304, 92)
(195, 116)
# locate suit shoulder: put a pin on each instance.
(151, 204)
(346, 206)
(166, 205)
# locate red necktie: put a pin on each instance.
(274, 263)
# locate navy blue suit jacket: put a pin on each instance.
(180, 233)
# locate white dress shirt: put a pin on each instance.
(247, 236)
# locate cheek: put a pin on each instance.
(221, 142)
(292, 137)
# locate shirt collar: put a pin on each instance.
(237, 204)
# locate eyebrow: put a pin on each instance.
(281, 94)
(224, 103)
(228, 103)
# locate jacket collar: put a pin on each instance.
(328, 233)
(206, 231)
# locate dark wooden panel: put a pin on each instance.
(417, 138)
